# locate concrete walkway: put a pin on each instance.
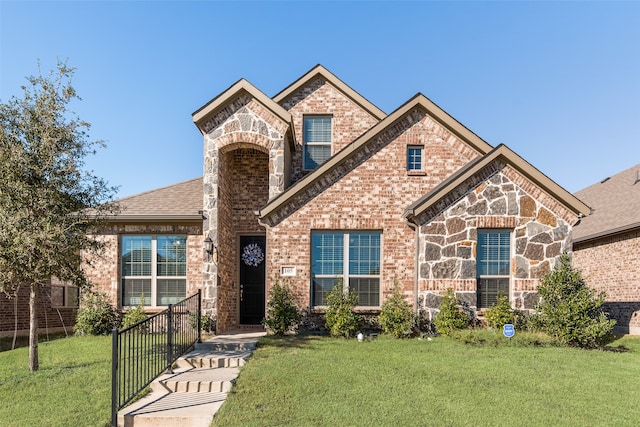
(192, 395)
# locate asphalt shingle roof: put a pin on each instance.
(615, 204)
(181, 199)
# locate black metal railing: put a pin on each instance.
(143, 351)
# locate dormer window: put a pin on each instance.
(317, 141)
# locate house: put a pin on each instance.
(606, 244)
(317, 186)
(57, 309)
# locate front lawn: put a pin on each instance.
(72, 387)
(319, 381)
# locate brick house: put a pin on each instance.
(317, 186)
(606, 244)
(57, 309)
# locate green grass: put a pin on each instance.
(72, 387)
(318, 381)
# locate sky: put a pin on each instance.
(557, 82)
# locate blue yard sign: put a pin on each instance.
(508, 330)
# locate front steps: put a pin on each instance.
(196, 390)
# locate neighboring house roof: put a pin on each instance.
(418, 101)
(319, 70)
(511, 158)
(212, 107)
(616, 206)
(177, 202)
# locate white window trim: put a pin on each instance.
(345, 268)
(305, 143)
(154, 271)
(511, 255)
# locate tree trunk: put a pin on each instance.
(33, 327)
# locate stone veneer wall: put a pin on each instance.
(610, 264)
(246, 126)
(104, 271)
(368, 191)
(491, 200)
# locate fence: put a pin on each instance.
(143, 351)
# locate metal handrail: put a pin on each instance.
(141, 352)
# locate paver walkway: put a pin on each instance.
(192, 395)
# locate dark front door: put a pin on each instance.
(252, 283)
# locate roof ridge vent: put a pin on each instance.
(605, 180)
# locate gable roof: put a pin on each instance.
(616, 206)
(219, 102)
(511, 158)
(418, 101)
(178, 202)
(319, 70)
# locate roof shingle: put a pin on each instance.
(184, 199)
(615, 204)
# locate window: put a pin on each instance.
(154, 270)
(494, 266)
(353, 257)
(414, 158)
(317, 141)
(64, 296)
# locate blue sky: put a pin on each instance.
(558, 82)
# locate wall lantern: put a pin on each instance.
(211, 249)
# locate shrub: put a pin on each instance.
(569, 310)
(95, 315)
(282, 312)
(451, 317)
(396, 317)
(340, 318)
(206, 322)
(500, 313)
(134, 315)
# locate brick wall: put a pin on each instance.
(349, 121)
(49, 319)
(368, 192)
(104, 270)
(610, 264)
(244, 176)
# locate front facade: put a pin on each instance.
(316, 187)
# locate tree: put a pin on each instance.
(48, 203)
(569, 310)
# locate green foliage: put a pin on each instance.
(48, 204)
(340, 318)
(500, 313)
(451, 316)
(569, 310)
(134, 315)
(206, 322)
(397, 317)
(495, 338)
(282, 312)
(95, 315)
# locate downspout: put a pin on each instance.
(416, 266)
